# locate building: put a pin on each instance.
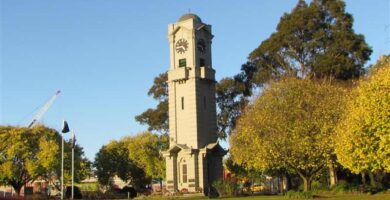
(194, 159)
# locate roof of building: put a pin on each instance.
(190, 16)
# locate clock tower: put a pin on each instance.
(194, 157)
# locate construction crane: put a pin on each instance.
(43, 110)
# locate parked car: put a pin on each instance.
(257, 187)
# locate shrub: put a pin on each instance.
(92, 194)
(77, 192)
(127, 189)
(373, 189)
(226, 188)
(318, 186)
(291, 194)
(100, 195)
(343, 186)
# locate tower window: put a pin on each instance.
(204, 102)
(182, 103)
(202, 62)
(182, 62)
(184, 173)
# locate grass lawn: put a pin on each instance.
(328, 197)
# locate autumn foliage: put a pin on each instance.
(290, 126)
(363, 136)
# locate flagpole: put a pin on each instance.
(73, 145)
(62, 167)
(65, 129)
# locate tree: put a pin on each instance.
(363, 135)
(243, 172)
(82, 166)
(113, 160)
(289, 127)
(157, 118)
(230, 102)
(315, 40)
(232, 97)
(134, 159)
(144, 149)
(26, 154)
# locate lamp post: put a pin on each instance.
(65, 129)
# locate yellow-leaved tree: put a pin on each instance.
(290, 126)
(26, 154)
(363, 135)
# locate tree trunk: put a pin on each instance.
(289, 184)
(372, 179)
(332, 175)
(17, 188)
(306, 184)
(285, 183)
(281, 183)
(379, 177)
(364, 178)
(161, 186)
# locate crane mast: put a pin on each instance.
(43, 110)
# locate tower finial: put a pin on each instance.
(189, 10)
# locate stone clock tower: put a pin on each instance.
(194, 159)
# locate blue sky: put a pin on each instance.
(104, 54)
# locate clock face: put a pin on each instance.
(201, 46)
(181, 46)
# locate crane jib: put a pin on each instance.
(43, 110)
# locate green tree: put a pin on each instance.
(134, 159)
(144, 150)
(313, 40)
(157, 118)
(244, 172)
(289, 127)
(82, 166)
(26, 154)
(363, 135)
(113, 160)
(230, 103)
(232, 95)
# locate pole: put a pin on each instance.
(65, 129)
(72, 165)
(62, 167)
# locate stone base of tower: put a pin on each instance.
(193, 170)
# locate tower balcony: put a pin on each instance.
(178, 74)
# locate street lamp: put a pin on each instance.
(65, 129)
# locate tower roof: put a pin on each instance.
(190, 16)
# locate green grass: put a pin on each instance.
(327, 197)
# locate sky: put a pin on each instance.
(104, 54)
